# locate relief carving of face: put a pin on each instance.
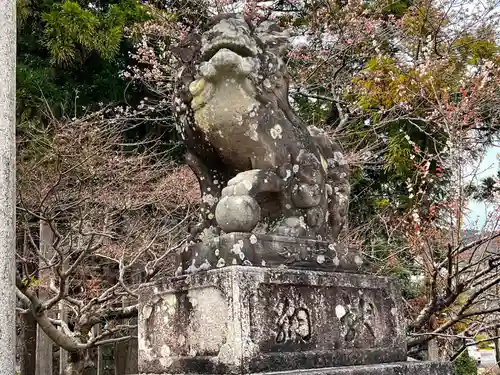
(303, 325)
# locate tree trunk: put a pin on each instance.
(63, 354)
(44, 343)
(7, 187)
(82, 362)
(28, 321)
(43, 353)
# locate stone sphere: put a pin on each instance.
(239, 213)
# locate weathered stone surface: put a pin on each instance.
(265, 250)
(7, 186)
(406, 368)
(237, 213)
(260, 168)
(402, 368)
(238, 320)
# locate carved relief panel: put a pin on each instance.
(357, 317)
(293, 323)
(294, 317)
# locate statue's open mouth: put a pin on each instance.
(228, 61)
(239, 49)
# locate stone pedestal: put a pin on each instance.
(267, 250)
(400, 368)
(238, 319)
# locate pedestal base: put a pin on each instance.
(401, 368)
(267, 250)
(237, 320)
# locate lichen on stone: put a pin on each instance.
(259, 166)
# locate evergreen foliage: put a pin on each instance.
(464, 365)
(71, 55)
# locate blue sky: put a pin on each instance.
(488, 167)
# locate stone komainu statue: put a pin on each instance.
(260, 169)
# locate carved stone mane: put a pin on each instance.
(262, 172)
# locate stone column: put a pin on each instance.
(7, 186)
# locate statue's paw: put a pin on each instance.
(237, 213)
(253, 182)
(238, 210)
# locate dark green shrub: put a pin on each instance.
(464, 365)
